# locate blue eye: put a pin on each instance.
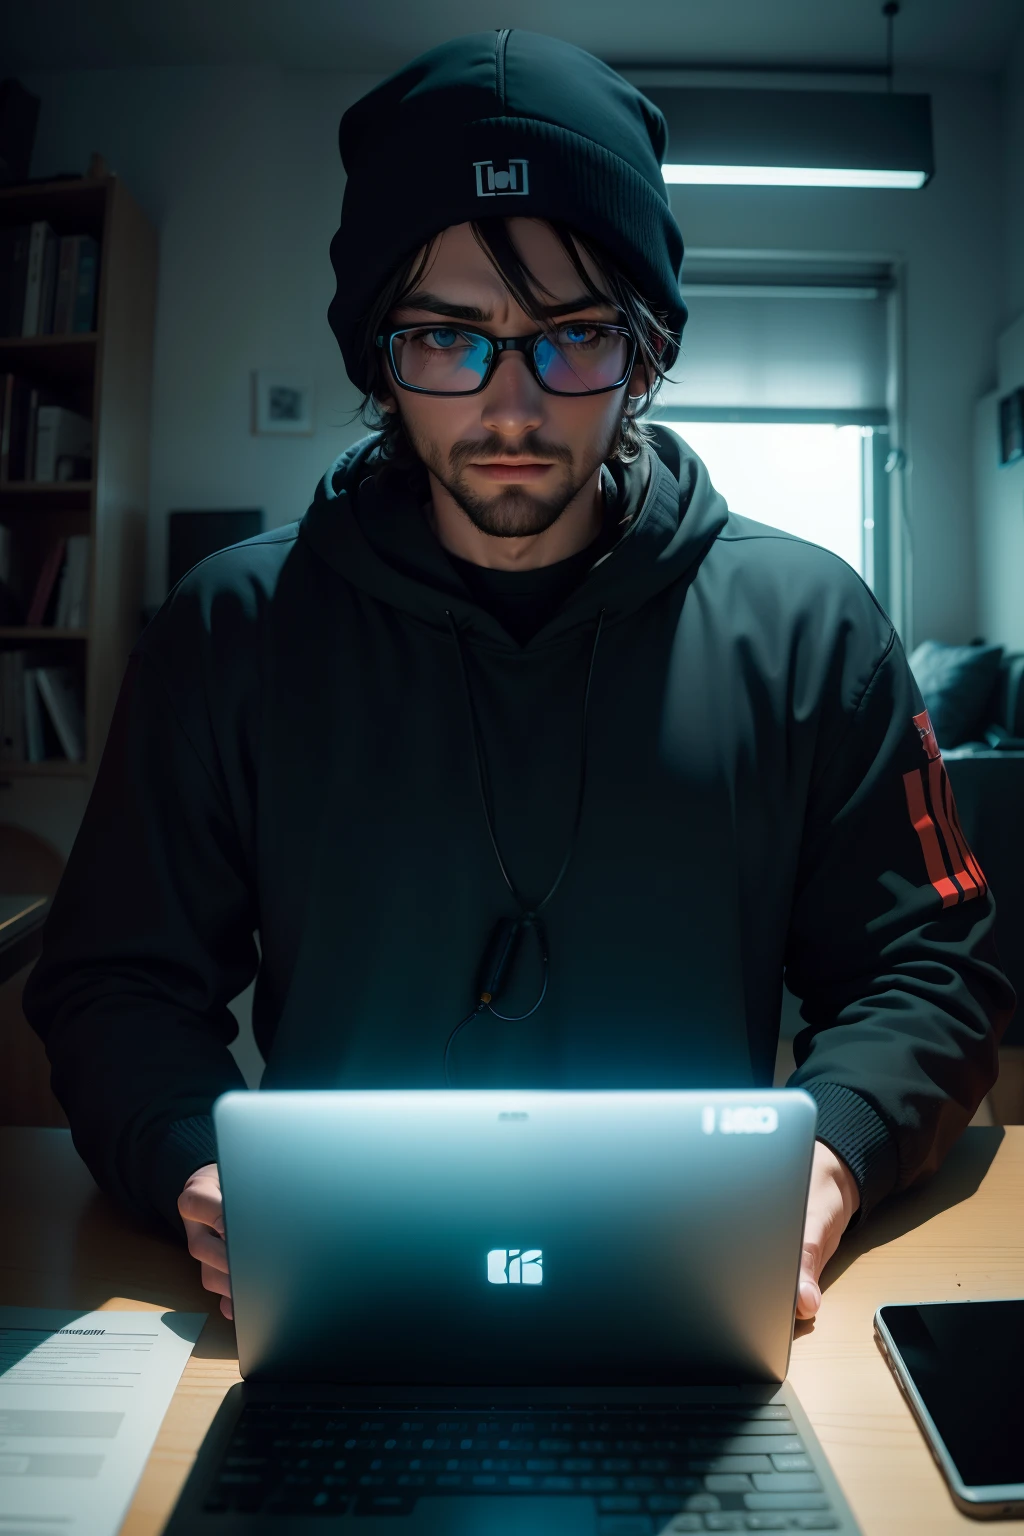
(444, 336)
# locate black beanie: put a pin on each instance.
(499, 124)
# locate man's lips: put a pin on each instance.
(512, 469)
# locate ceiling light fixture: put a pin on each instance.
(767, 138)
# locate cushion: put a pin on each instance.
(957, 683)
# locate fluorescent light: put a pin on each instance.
(789, 176)
(767, 138)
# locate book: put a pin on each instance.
(46, 582)
(35, 740)
(49, 286)
(6, 258)
(16, 274)
(6, 401)
(59, 431)
(39, 234)
(67, 260)
(58, 687)
(72, 605)
(83, 307)
(12, 610)
(30, 433)
(17, 451)
(12, 707)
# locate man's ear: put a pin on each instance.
(386, 403)
(640, 380)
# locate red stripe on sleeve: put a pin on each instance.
(958, 831)
(913, 784)
(938, 783)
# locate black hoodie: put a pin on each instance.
(292, 754)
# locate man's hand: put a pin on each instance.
(201, 1208)
(831, 1202)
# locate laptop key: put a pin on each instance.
(748, 1445)
(768, 1523)
(727, 1521)
(731, 1482)
(786, 1482)
(787, 1464)
(384, 1504)
(820, 1522)
(786, 1501)
(618, 1501)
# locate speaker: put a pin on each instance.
(191, 536)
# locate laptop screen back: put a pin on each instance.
(515, 1237)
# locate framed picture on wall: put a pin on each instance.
(1011, 427)
(281, 402)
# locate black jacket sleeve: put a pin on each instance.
(890, 944)
(151, 934)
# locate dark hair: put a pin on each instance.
(647, 325)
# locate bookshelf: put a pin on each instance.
(106, 375)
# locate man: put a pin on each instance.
(530, 763)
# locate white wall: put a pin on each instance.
(999, 489)
(1013, 178)
(239, 170)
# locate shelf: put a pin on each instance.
(40, 632)
(55, 339)
(53, 767)
(105, 374)
(53, 362)
(74, 206)
(34, 497)
(42, 487)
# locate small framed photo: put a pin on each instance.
(281, 403)
(1011, 427)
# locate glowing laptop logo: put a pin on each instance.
(740, 1120)
(515, 1266)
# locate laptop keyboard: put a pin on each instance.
(669, 1469)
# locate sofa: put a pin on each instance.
(987, 775)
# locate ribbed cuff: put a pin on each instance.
(856, 1132)
(185, 1146)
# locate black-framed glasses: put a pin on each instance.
(579, 357)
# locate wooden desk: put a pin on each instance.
(963, 1236)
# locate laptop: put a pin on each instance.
(479, 1313)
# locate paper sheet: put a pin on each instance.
(82, 1396)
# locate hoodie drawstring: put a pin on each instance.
(504, 940)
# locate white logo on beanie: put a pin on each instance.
(513, 182)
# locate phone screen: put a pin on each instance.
(966, 1359)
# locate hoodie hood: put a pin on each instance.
(374, 534)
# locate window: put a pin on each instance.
(804, 477)
(783, 389)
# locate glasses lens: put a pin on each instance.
(580, 357)
(440, 358)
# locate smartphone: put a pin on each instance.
(960, 1365)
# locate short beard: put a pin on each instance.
(514, 512)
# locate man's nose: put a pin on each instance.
(513, 402)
